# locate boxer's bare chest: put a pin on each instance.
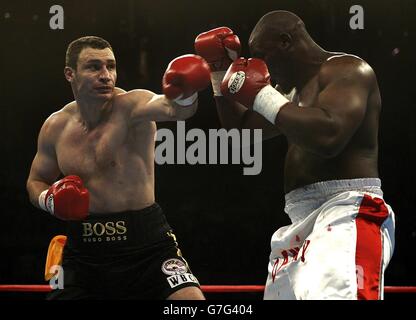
(88, 152)
(302, 166)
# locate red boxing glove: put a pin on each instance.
(184, 77)
(247, 81)
(67, 199)
(219, 47)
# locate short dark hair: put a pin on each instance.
(76, 46)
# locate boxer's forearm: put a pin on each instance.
(313, 129)
(230, 115)
(233, 115)
(157, 108)
(183, 112)
(34, 189)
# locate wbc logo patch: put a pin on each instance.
(174, 266)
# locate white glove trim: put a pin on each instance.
(187, 101)
(216, 79)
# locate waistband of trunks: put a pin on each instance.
(118, 230)
(302, 201)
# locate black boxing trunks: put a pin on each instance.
(127, 255)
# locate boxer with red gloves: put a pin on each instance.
(184, 77)
(330, 118)
(103, 144)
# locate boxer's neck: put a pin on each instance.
(309, 64)
(92, 113)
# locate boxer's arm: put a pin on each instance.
(235, 115)
(327, 127)
(184, 77)
(148, 106)
(44, 170)
(169, 110)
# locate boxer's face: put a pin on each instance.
(95, 76)
(278, 61)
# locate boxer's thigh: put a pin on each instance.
(344, 259)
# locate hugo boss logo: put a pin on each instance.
(174, 266)
(104, 232)
(99, 229)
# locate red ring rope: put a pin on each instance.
(205, 288)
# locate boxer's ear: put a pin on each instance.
(69, 74)
(285, 40)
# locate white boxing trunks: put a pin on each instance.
(338, 246)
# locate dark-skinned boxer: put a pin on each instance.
(327, 105)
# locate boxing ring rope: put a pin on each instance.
(205, 288)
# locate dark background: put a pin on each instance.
(223, 220)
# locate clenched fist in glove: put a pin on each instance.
(247, 81)
(67, 199)
(184, 77)
(219, 47)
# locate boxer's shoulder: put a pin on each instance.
(345, 66)
(57, 121)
